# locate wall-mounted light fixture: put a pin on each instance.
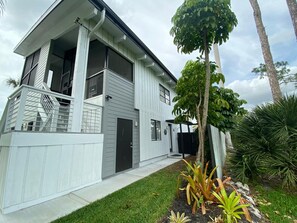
(107, 97)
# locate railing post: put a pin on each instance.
(21, 111)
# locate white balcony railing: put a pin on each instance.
(92, 117)
(41, 110)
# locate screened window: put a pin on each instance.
(30, 69)
(120, 65)
(155, 130)
(96, 59)
(95, 85)
(96, 64)
(164, 95)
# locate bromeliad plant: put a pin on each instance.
(232, 205)
(199, 186)
(178, 218)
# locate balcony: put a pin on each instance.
(41, 110)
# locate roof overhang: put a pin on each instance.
(56, 21)
(60, 18)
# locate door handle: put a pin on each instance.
(131, 145)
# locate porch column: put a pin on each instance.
(79, 77)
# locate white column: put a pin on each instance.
(79, 77)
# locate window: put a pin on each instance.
(95, 85)
(96, 58)
(164, 95)
(96, 63)
(120, 65)
(30, 69)
(155, 130)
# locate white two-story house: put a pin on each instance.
(93, 101)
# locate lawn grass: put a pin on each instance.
(278, 205)
(146, 200)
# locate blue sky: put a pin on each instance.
(151, 21)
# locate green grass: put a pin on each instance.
(277, 204)
(146, 200)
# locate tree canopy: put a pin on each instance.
(283, 73)
(197, 23)
(224, 104)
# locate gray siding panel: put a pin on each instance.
(120, 106)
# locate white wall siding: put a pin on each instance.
(42, 64)
(47, 167)
(147, 100)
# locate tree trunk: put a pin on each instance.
(202, 122)
(292, 5)
(271, 71)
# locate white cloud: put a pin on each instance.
(257, 91)
(254, 91)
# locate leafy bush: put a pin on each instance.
(199, 186)
(232, 209)
(266, 143)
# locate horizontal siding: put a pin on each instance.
(120, 106)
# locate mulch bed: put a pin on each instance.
(180, 205)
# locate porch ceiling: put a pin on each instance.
(53, 24)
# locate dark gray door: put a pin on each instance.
(124, 145)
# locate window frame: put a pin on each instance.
(88, 80)
(31, 72)
(124, 59)
(162, 94)
(157, 136)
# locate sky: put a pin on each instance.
(151, 22)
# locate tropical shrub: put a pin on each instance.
(199, 186)
(266, 143)
(178, 218)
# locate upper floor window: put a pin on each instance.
(30, 69)
(164, 95)
(155, 130)
(96, 63)
(120, 65)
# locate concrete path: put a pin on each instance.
(58, 207)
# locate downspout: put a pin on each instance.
(101, 21)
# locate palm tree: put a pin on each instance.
(13, 82)
(271, 71)
(292, 5)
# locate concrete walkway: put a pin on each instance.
(58, 207)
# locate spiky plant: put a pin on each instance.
(178, 218)
(266, 142)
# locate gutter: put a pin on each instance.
(99, 24)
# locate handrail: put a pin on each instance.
(54, 99)
(39, 90)
(35, 109)
(92, 104)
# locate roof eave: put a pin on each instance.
(37, 23)
(99, 4)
